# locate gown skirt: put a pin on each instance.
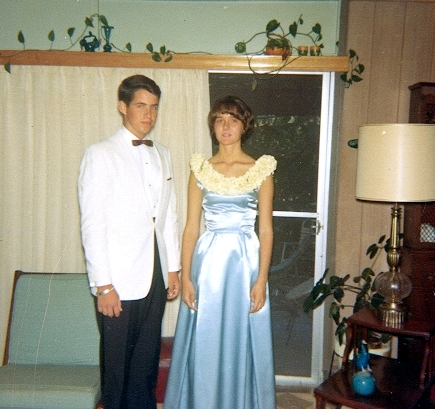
(222, 356)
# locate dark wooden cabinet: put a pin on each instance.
(422, 103)
(418, 258)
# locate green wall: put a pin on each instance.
(182, 26)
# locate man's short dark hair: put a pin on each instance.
(130, 85)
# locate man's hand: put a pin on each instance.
(108, 304)
(173, 285)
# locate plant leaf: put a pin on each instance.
(308, 304)
(7, 67)
(51, 36)
(317, 28)
(169, 58)
(128, 47)
(334, 312)
(338, 294)
(293, 29)
(240, 47)
(367, 273)
(71, 31)
(88, 22)
(156, 57)
(341, 331)
(376, 300)
(373, 248)
(272, 25)
(103, 20)
(150, 47)
(20, 37)
(382, 239)
(162, 49)
(319, 301)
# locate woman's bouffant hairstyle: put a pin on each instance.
(130, 85)
(235, 107)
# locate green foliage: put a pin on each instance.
(161, 55)
(71, 32)
(355, 70)
(362, 286)
(21, 39)
(278, 43)
(88, 22)
(276, 35)
(51, 37)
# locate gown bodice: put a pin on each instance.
(229, 213)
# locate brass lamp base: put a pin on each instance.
(393, 314)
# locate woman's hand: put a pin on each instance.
(258, 297)
(188, 294)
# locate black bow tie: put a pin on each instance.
(137, 142)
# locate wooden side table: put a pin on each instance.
(399, 384)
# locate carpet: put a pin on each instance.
(291, 401)
(286, 400)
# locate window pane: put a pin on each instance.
(290, 279)
(287, 111)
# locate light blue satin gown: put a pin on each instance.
(222, 356)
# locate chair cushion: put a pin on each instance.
(49, 386)
(53, 321)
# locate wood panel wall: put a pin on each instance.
(395, 40)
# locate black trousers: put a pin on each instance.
(130, 349)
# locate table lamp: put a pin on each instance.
(396, 163)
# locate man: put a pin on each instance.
(130, 238)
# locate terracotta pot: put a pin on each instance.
(278, 51)
(303, 50)
(315, 50)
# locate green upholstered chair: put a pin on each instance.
(51, 359)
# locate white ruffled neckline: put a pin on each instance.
(216, 182)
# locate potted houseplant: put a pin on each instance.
(361, 286)
(278, 43)
(277, 40)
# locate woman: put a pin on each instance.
(222, 355)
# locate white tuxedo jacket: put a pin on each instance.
(117, 225)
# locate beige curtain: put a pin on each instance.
(49, 115)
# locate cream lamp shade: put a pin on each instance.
(396, 163)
